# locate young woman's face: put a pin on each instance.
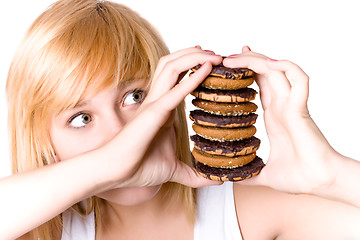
(92, 123)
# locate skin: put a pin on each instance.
(72, 133)
(93, 123)
(298, 147)
(148, 161)
(125, 160)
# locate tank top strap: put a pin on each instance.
(78, 227)
(216, 214)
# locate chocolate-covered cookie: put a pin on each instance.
(240, 95)
(228, 148)
(228, 73)
(224, 145)
(225, 109)
(211, 120)
(226, 84)
(224, 134)
(230, 174)
(222, 161)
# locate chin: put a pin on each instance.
(130, 196)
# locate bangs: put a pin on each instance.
(103, 46)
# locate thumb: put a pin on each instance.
(188, 176)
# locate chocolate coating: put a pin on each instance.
(247, 93)
(228, 73)
(227, 147)
(233, 174)
(222, 121)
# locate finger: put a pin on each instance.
(188, 176)
(258, 180)
(276, 80)
(157, 112)
(299, 80)
(265, 92)
(173, 56)
(178, 93)
(168, 77)
(170, 57)
(246, 49)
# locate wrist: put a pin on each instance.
(333, 185)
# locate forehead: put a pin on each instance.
(120, 87)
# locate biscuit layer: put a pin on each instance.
(225, 109)
(224, 134)
(226, 84)
(222, 161)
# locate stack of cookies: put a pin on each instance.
(224, 145)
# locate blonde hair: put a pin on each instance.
(77, 48)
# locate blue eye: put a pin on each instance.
(80, 120)
(136, 96)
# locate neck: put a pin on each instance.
(150, 215)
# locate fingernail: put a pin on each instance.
(198, 46)
(209, 51)
(249, 48)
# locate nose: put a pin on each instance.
(112, 125)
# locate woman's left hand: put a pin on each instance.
(300, 158)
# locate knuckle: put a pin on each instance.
(170, 68)
(163, 60)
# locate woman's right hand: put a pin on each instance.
(143, 152)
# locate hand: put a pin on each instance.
(300, 158)
(143, 153)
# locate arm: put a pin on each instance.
(129, 159)
(31, 198)
(301, 160)
(265, 213)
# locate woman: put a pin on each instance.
(100, 147)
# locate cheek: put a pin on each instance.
(129, 114)
(70, 145)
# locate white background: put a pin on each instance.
(320, 36)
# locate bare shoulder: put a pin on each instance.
(26, 236)
(264, 213)
(256, 212)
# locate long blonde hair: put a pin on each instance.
(79, 47)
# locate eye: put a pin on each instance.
(80, 120)
(136, 96)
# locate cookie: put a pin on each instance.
(228, 73)
(240, 95)
(224, 144)
(224, 134)
(222, 161)
(211, 120)
(228, 148)
(226, 84)
(225, 109)
(230, 174)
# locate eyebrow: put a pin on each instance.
(81, 103)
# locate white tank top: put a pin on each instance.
(216, 217)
